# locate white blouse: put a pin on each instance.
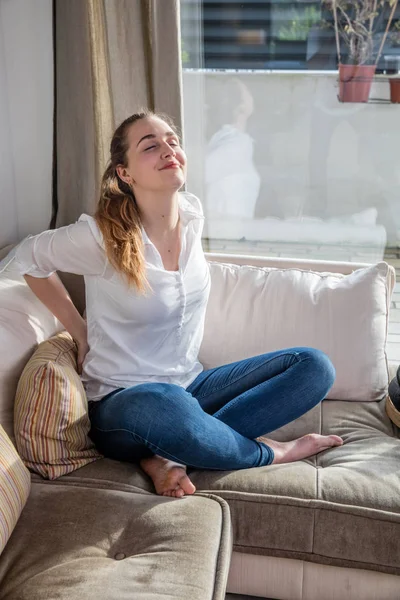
(133, 339)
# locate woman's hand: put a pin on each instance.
(83, 349)
(53, 294)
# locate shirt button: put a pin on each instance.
(120, 556)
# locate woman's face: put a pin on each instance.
(155, 159)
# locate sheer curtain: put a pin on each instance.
(26, 118)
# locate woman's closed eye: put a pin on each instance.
(155, 146)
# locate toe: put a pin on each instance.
(186, 485)
(336, 440)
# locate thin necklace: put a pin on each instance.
(179, 234)
(179, 231)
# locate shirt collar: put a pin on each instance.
(186, 213)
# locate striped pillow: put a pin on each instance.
(51, 421)
(15, 485)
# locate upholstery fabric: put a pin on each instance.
(340, 508)
(15, 485)
(76, 542)
(24, 323)
(50, 414)
(346, 316)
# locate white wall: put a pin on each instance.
(315, 156)
(26, 118)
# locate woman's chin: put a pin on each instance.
(175, 180)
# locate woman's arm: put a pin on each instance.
(55, 297)
(75, 248)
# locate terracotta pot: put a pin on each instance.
(355, 82)
(395, 90)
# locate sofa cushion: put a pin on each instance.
(75, 542)
(107, 474)
(51, 414)
(253, 310)
(341, 507)
(24, 323)
(15, 485)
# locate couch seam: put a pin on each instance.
(225, 522)
(236, 546)
(327, 508)
(94, 485)
(322, 275)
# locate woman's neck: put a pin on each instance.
(159, 213)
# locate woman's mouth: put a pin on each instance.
(171, 166)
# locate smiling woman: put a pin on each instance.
(139, 194)
(150, 398)
(149, 155)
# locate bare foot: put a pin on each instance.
(308, 445)
(169, 479)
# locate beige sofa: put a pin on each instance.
(325, 528)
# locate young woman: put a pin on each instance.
(147, 286)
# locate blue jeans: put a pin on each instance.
(212, 424)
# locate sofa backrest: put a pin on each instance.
(235, 294)
(24, 323)
(257, 309)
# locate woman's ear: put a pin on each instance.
(123, 174)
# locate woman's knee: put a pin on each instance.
(321, 365)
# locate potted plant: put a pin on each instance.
(394, 37)
(356, 24)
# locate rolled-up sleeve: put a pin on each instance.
(76, 248)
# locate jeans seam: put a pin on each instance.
(235, 400)
(295, 354)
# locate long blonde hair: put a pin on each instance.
(117, 212)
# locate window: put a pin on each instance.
(274, 34)
(282, 167)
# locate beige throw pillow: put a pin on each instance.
(254, 310)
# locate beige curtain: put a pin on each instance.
(113, 57)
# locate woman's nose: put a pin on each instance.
(167, 151)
